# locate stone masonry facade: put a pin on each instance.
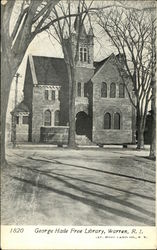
(104, 114)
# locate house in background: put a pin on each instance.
(104, 114)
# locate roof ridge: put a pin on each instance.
(61, 58)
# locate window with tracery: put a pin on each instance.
(83, 55)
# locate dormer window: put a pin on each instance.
(83, 54)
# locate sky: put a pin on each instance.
(43, 45)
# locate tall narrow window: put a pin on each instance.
(81, 54)
(57, 114)
(79, 89)
(46, 94)
(113, 90)
(47, 118)
(53, 95)
(107, 121)
(86, 90)
(103, 89)
(121, 90)
(116, 121)
(85, 54)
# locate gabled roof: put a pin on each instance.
(50, 70)
(118, 58)
(53, 71)
(98, 65)
(21, 107)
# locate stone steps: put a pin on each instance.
(83, 140)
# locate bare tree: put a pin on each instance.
(67, 33)
(152, 154)
(30, 20)
(130, 31)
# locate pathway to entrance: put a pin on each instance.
(78, 187)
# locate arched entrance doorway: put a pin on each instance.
(83, 124)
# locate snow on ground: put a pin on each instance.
(57, 186)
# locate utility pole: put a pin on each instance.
(17, 75)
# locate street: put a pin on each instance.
(78, 187)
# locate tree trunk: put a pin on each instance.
(72, 90)
(140, 132)
(140, 141)
(6, 80)
(152, 153)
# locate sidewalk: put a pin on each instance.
(44, 145)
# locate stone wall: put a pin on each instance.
(21, 132)
(55, 135)
(109, 73)
(40, 105)
(81, 104)
(83, 75)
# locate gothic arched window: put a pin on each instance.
(121, 90)
(113, 90)
(47, 118)
(107, 121)
(116, 121)
(57, 114)
(103, 89)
